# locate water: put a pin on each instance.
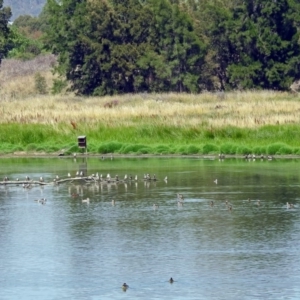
(67, 249)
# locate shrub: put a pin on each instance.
(31, 147)
(210, 148)
(243, 150)
(109, 147)
(192, 149)
(275, 148)
(131, 148)
(40, 84)
(161, 149)
(228, 148)
(58, 86)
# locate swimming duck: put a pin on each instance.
(211, 203)
(125, 286)
(180, 196)
(221, 156)
(171, 280)
(155, 206)
(87, 200)
(289, 205)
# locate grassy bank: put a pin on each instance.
(253, 122)
(260, 122)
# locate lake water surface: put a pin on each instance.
(67, 249)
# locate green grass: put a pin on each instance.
(151, 139)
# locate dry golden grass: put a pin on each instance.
(17, 77)
(241, 109)
(251, 109)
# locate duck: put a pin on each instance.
(211, 203)
(125, 286)
(289, 205)
(171, 280)
(155, 206)
(87, 200)
(166, 178)
(221, 156)
(216, 181)
(179, 203)
(230, 208)
(258, 202)
(180, 196)
(43, 201)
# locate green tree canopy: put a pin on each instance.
(126, 46)
(5, 15)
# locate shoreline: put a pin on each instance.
(111, 156)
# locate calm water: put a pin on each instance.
(67, 249)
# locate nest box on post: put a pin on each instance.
(82, 142)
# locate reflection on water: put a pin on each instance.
(69, 249)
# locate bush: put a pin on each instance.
(58, 86)
(109, 147)
(40, 84)
(192, 149)
(132, 148)
(275, 148)
(243, 150)
(228, 148)
(210, 148)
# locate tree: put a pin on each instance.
(265, 36)
(125, 46)
(5, 15)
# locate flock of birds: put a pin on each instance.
(250, 156)
(125, 286)
(108, 179)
